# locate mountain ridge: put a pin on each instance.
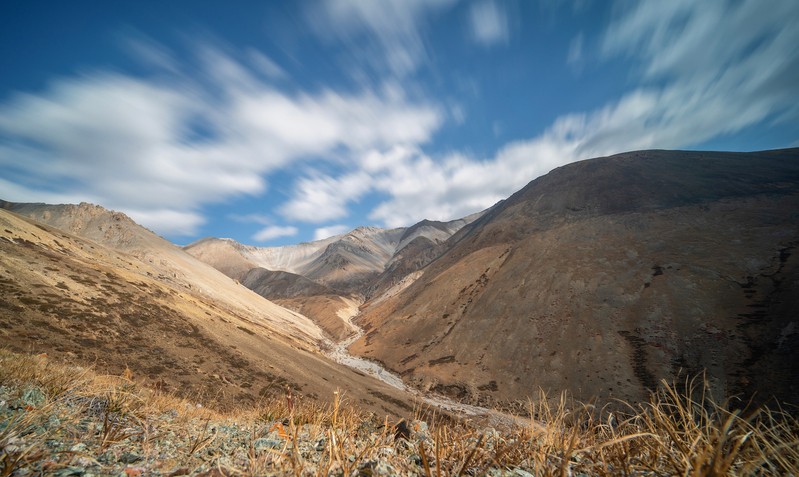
(545, 283)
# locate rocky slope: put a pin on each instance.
(175, 322)
(604, 277)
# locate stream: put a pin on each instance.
(338, 353)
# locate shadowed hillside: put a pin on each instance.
(605, 276)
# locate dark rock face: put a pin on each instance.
(608, 275)
(279, 284)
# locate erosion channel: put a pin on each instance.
(338, 352)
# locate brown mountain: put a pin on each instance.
(605, 276)
(295, 292)
(137, 301)
(327, 279)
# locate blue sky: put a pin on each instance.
(278, 122)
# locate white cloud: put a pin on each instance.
(489, 23)
(167, 221)
(393, 24)
(148, 51)
(329, 231)
(725, 66)
(273, 232)
(314, 124)
(261, 219)
(693, 96)
(148, 144)
(266, 65)
(420, 187)
(322, 198)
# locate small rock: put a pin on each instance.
(84, 462)
(216, 472)
(13, 445)
(264, 443)
(68, 471)
(522, 473)
(129, 458)
(179, 471)
(133, 471)
(79, 447)
(419, 430)
(373, 468)
(32, 396)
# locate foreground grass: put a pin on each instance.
(60, 420)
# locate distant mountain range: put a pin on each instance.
(600, 278)
(318, 279)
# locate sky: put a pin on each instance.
(278, 122)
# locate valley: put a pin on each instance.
(601, 279)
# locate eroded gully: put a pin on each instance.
(338, 352)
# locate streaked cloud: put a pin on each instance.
(273, 232)
(575, 55)
(489, 23)
(324, 198)
(266, 65)
(394, 25)
(133, 144)
(322, 233)
(749, 64)
(261, 219)
(167, 221)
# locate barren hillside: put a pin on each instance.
(175, 322)
(604, 277)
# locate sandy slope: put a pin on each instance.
(175, 322)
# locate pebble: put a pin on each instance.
(32, 396)
(79, 447)
(129, 458)
(264, 443)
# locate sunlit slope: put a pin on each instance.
(195, 332)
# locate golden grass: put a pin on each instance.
(55, 418)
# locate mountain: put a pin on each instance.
(295, 292)
(605, 276)
(107, 292)
(327, 279)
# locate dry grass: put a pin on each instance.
(55, 418)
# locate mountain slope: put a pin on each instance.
(304, 296)
(176, 323)
(607, 275)
(345, 269)
(345, 262)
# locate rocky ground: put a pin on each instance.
(64, 421)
